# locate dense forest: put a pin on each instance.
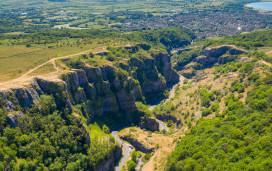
(48, 138)
(162, 38)
(168, 39)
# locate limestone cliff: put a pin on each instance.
(217, 51)
(218, 54)
(139, 146)
(154, 74)
(150, 123)
(104, 89)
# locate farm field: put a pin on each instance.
(86, 14)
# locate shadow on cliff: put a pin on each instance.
(116, 119)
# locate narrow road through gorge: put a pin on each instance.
(127, 148)
(172, 92)
(127, 151)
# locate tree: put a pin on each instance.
(91, 55)
(169, 123)
(106, 129)
(131, 165)
(84, 56)
(206, 112)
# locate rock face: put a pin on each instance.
(215, 52)
(108, 165)
(150, 123)
(13, 118)
(103, 90)
(138, 145)
(219, 54)
(163, 62)
(154, 74)
(166, 118)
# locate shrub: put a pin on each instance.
(147, 157)
(131, 165)
(106, 129)
(169, 123)
(84, 56)
(91, 55)
(215, 107)
(206, 112)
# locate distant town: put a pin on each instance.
(204, 23)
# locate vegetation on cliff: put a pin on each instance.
(238, 138)
(227, 110)
(44, 125)
(44, 138)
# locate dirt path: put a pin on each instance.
(266, 63)
(269, 52)
(26, 77)
(53, 60)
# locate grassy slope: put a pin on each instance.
(17, 59)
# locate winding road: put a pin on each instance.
(129, 148)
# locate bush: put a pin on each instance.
(135, 155)
(131, 165)
(91, 55)
(106, 129)
(169, 123)
(84, 56)
(205, 102)
(147, 157)
(215, 107)
(206, 112)
(246, 69)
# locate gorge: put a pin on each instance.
(86, 92)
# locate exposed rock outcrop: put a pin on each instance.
(188, 73)
(150, 123)
(101, 89)
(163, 62)
(218, 54)
(13, 118)
(154, 74)
(166, 118)
(215, 52)
(138, 145)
